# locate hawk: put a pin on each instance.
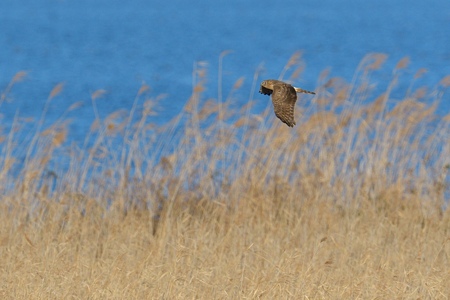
(284, 97)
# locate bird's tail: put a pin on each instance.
(299, 90)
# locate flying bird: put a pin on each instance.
(284, 97)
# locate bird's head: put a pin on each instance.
(266, 87)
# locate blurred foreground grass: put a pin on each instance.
(350, 204)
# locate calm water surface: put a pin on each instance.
(117, 45)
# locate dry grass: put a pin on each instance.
(350, 204)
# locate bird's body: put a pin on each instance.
(284, 97)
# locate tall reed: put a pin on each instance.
(222, 202)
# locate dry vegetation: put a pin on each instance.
(224, 204)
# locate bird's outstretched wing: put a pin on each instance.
(265, 91)
(283, 98)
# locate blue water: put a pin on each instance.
(117, 45)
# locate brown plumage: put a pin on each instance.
(284, 97)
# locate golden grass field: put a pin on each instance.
(349, 204)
